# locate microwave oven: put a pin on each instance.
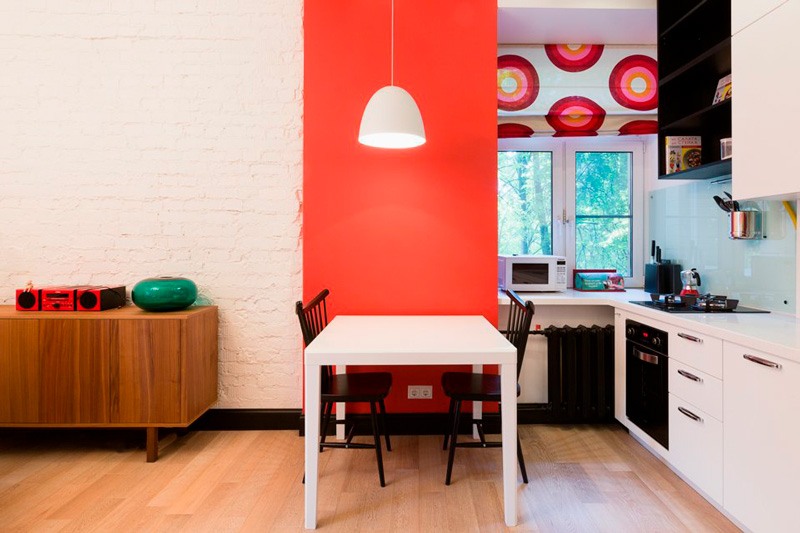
(532, 273)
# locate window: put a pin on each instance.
(603, 214)
(580, 198)
(525, 202)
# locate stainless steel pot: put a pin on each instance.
(745, 225)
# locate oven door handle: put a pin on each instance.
(645, 357)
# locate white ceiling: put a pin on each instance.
(568, 25)
(581, 4)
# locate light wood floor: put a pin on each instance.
(582, 478)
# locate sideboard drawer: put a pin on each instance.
(147, 372)
(19, 371)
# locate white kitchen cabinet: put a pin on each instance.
(696, 349)
(695, 445)
(763, 58)
(745, 12)
(696, 387)
(762, 439)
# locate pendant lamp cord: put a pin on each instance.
(392, 42)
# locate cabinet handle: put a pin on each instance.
(764, 362)
(690, 414)
(690, 338)
(690, 376)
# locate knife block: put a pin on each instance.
(662, 278)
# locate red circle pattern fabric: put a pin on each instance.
(639, 127)
(576, 116)
(517, 83)
(574, 57)
(634, 83)
(513, 131)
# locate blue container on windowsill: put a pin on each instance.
(598, 281)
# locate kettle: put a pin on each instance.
(690, 280)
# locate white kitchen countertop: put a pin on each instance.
(775, 333)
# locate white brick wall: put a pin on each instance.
(142, 138)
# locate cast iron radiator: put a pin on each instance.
(580, 373)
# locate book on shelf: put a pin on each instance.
(723, 90)
(683, 152)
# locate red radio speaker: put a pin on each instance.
(29, 300)
(58, 298)
(100, 298)
(70, 298)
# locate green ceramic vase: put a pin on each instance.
(164, 293)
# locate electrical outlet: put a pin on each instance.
(420, 392)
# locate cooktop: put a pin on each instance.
(689, 309)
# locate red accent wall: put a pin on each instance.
(402, 231)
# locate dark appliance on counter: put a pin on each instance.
(661, 276)
(646, 380)
(704, 303)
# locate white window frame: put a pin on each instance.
(564, 150)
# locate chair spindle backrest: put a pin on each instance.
(313, 318)
(520, 316)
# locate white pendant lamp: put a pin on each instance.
(392, 118)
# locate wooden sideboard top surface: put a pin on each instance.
(126, 313)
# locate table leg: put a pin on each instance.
(508, 407)
(477, 407)
(340, 408)
(152, 445)
(312, 385)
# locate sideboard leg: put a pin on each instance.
(152, 445)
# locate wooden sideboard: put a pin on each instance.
(118, 368)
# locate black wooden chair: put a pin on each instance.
(370, 387)
(466, 386)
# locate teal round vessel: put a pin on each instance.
(164, 294)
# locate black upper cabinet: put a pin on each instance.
(694, 53)
(678, 9)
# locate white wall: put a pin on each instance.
(161, 138)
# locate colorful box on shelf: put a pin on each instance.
(683, 152)
(598, 281)
(724, 90)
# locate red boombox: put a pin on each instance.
(70, 298)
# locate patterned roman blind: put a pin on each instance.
(565, 90)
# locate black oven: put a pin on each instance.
(646, 378)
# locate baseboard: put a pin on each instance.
(247, 419)
(399, 423)
(534, 413)
(414, 423)
(436, 423)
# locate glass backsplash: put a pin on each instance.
(692, 231)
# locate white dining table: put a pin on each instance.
(411, 340)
